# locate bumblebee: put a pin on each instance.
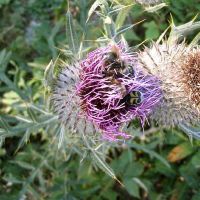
(134, 98)
(112, 63)
(111, 59)
(114, 66)
(125, 71)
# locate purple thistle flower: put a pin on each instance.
(113, 90)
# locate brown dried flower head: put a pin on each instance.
(191, 71)
(178, 68)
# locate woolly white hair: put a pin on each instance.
(66, 103)
(168, 62)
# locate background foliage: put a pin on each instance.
(162, 165)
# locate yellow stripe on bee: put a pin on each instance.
(134, 95)
(134, 98)
(132, 101)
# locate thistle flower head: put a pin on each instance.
(113, 90)
(105, 91)
(178, 67)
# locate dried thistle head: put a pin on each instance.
(191, 69)
(177, 66)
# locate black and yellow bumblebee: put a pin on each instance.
(134, 98)
(114, 66)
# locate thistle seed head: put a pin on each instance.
(177, 67)
(191, 75)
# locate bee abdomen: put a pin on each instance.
(134, 98)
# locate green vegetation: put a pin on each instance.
(163, 165)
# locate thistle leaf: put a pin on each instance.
(4, 125)
(61, 136)
(49, 78)
(71, 34)
(191, 131)
(23, 164)
(124, 11)
(150, 152)
(12, 86)
(123, 29)
(4, 60)
(124, 2)
(152, 9)
(31, 114)
(94, 6)
(195, 40)
(23, 140)
(182, 30)
(141, 184)
(100, 162)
